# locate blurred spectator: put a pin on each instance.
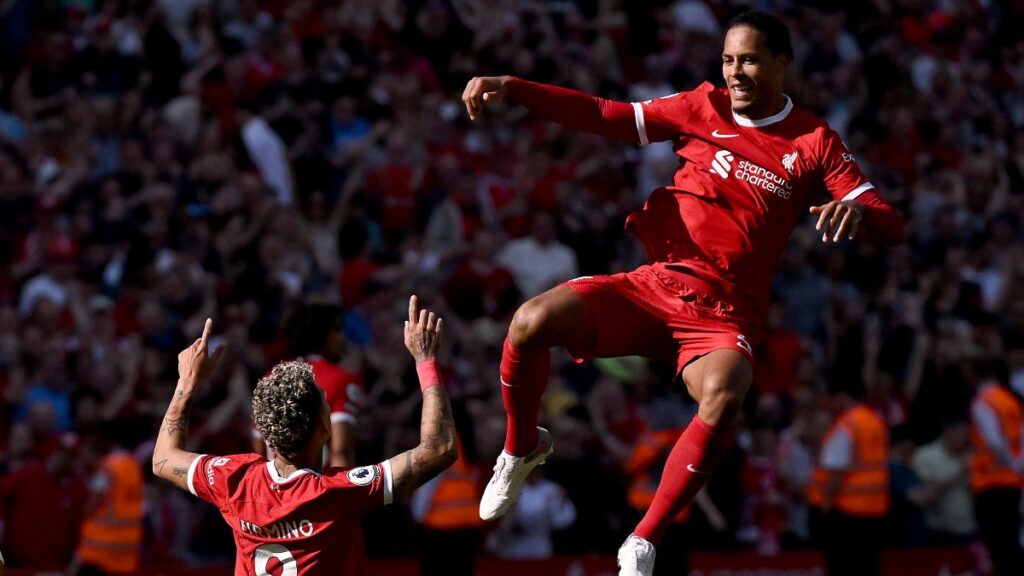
(525, 532)
(949, 517)
(43, 497)
(539, 261)
(761, 517)
(908, 494)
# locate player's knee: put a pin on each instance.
(529, 324)
(722, 400)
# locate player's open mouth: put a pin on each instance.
(742, 91)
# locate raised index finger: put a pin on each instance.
(412, 309)
(207, 328)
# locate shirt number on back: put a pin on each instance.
(267, 552)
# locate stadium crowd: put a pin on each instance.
(165, 161)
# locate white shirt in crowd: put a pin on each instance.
(525, 533)
(538, 267)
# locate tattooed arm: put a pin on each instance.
(437, 449)
(170, 461)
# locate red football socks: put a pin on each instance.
(524, 376)
(697, 454)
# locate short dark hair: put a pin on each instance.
(774, 29)
(286, 407)
(309, 327)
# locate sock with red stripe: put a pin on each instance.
(697, 454)
(524, 376)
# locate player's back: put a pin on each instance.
(308, 524)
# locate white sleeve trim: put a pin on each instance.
(389, 482)
(192, 472)
(853, 194)
(641, 128)
(342, 417)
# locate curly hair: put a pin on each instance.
(286, 406)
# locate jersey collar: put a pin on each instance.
(762, 122)
(282, 479)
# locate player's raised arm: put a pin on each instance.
(437, 449)
(570, 108)
(170, 460)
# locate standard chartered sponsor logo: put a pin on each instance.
(755, 175)
(763, 178)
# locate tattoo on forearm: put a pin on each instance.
(179, 471)
(160, 466)
(178, 424)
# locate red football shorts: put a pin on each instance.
(659, 313)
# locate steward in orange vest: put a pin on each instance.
(849, 489)
(645, 466)
(111, 537)
(863, 488)
(455, 502)
(997, 472)
(989, 469)
(448, 511)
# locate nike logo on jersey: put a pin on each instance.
(694, 470)
(718, 134)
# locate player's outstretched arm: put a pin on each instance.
(841, 219)
(570, 108)
(437, 449)
(170, 460)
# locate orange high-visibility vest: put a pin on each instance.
(112, 533)
(986, 470)
(645, 465)
(864, 488)
(455, 504)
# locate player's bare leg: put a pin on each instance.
(558, 317)
(718, 381)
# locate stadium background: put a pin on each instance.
(167, 160)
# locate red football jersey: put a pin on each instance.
(742, 187)
(307, 524)
(344, 394)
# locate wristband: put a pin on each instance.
(428, 373)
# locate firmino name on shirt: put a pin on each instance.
(301, 529)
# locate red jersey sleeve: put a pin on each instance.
(667, 117)
(343, 391)
(214, 478)
(845, 181)
(840, 172)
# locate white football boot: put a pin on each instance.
(510, 471)
(636, 557)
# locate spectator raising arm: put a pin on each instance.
(437, 449)
(170, 460)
